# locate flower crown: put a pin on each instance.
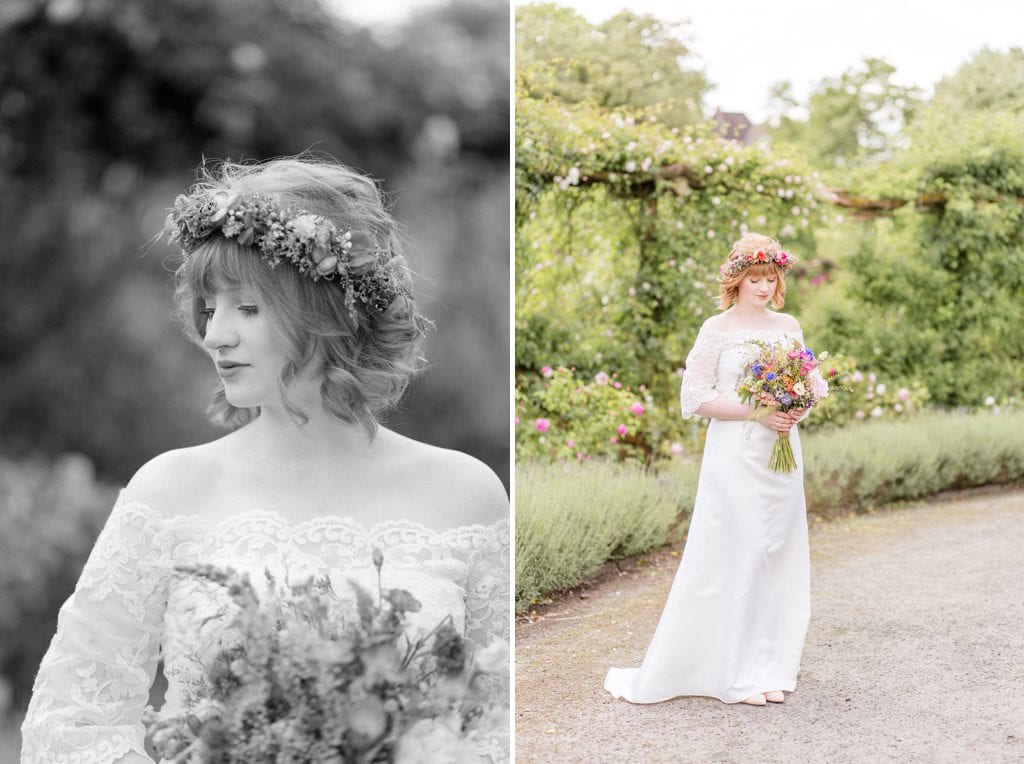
(736, 262)
(313, 244)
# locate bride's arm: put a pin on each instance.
(93, 683)
(697, 393)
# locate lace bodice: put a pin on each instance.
(714, 365)
(131, 605)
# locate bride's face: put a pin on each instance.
(248, 353)
(757, 290)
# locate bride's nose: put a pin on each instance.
(219, 331)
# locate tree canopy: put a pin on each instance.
(630, 60)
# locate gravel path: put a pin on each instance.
(915, 652)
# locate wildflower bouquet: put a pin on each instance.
(315, 677)
(785, 378)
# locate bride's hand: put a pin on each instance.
(780, 421)
(797, 414)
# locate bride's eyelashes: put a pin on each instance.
(248, 309)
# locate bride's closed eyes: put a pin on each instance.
(248, 309)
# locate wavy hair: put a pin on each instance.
(367, 363)
(729, 286)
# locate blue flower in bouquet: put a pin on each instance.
(785, 399)
(757, 369)
(770, 376)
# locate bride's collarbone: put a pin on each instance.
(298, 504)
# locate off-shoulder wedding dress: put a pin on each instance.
(131, 608)
(736, 616)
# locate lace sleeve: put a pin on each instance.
(488, 618)
(699, 377)
(94, 680)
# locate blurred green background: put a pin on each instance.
(106, 109)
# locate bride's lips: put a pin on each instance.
(229, 369)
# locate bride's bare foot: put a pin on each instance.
(775, 696)
(755, 700)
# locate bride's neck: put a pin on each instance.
(749, 314)
(276, 431)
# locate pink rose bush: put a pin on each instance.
(577, 417)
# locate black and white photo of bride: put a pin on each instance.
(321, 573)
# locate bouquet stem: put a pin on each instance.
(781, 458)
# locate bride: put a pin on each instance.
(734, 624)
(293, 281)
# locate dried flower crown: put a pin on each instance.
(313, 244)
(737, 262)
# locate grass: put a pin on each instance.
(571, 519)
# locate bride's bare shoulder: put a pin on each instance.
(176, 482)
(461, 489)
(787, 322)
(716, 323)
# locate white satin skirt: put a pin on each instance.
(736, 617)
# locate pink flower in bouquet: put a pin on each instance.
(637, 408)
(542, 425)
(819, 387)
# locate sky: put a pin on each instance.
(370, 12)
(745, 46)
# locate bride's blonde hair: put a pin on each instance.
(729, 285)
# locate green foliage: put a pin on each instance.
(934, 294)
(50, 515)
(630, 60)
(572, 519)
(561, 417)
(621, 226)
(991, 81)
(854, 119)
(857, 469)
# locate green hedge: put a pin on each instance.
(572, 519)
